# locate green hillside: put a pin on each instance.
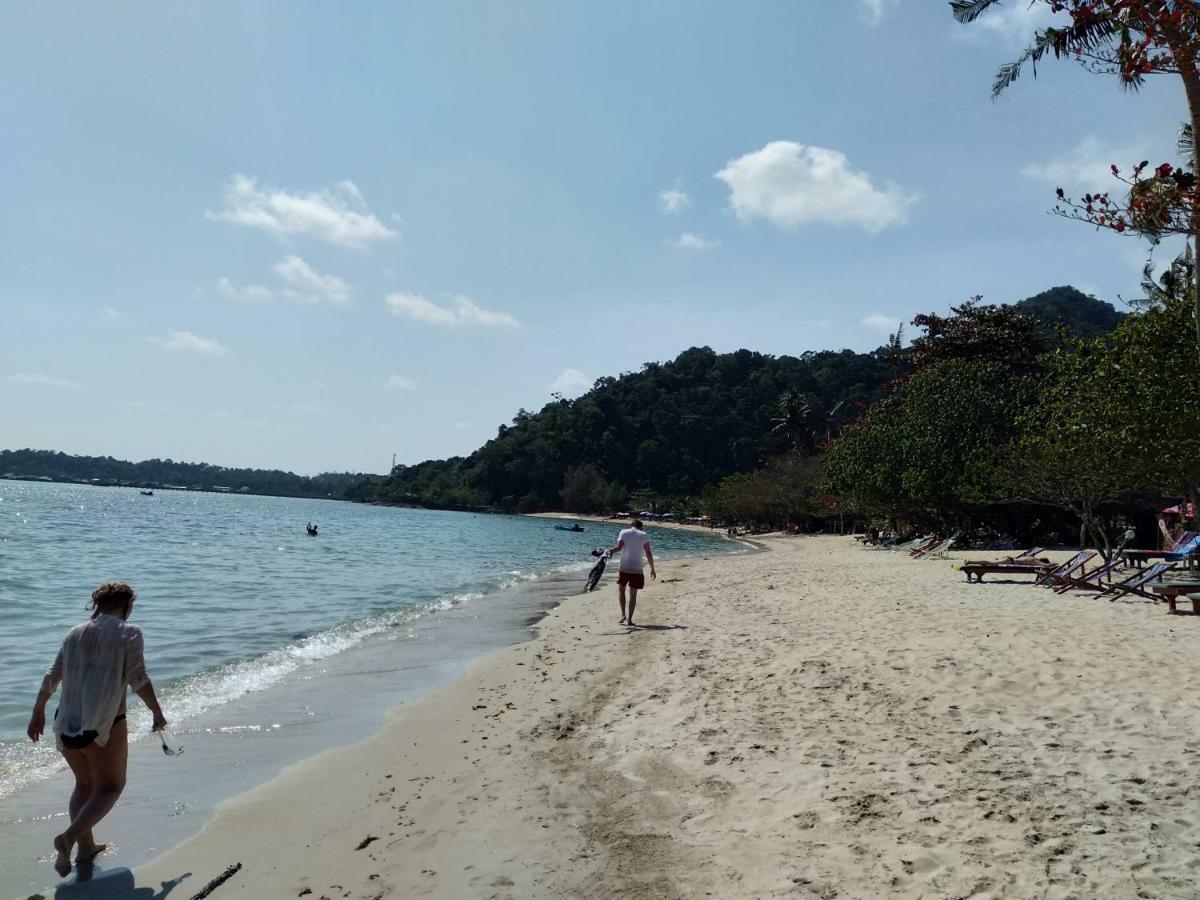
(674, 429)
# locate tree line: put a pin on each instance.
(56, 466)
(994, 426)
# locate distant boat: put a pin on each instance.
(147, 493)
(563, 526)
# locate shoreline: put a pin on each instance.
(260, 734)
(814, 721)
(624, 523)
(436, 650)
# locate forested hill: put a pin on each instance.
(1083, 316)
(674, 429)
(151, 473)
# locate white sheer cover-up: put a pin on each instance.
(98, 660)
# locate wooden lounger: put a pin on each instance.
(1000, 567)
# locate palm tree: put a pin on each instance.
(791, 420)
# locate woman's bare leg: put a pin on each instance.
(87, 848)
(106, 766)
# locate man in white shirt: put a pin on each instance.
(633, 544)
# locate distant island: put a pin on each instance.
(167, 474)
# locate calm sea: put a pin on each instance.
(266, 645)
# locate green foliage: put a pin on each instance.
(788, 490)
(1116, 414)
(977, 331)
(585, 490)
(930, 450)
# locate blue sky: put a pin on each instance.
(310, 236)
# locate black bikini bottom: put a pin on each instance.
(86, 738)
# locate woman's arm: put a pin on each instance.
(139, 678)
(37, 721)
(146, 692)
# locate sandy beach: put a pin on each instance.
(818, 720)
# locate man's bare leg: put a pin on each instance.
(632, 604)
(621, 595)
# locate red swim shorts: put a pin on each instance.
(635, 580)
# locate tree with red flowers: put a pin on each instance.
(1131, 39)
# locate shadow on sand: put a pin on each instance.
(94, 883)
(626, 630)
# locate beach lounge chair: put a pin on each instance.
(1025, 556)
(977, 568)
(927, 547)
(1070, 567)
(939, 552)
(1136, 583)
(1089, 581)
(1184, 550)
(1188, 543)
(904, 545)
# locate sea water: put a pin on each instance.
(266, 645)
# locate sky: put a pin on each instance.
(312, 236)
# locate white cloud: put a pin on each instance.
(570, 383)
(689, 241)
(307, 409)
(791, 185)
(249, 293)
(1087, 165)
(1013, 24)
(878, 322)
(221, 414)
(464, 312)
(673, 201)
(308, 283)
(336, 215)
(401, 383)
(39, 380)
(873, 10)
(186, 342)
(461, 425)
(110, 312)
(302, 284)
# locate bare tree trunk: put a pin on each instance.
(1191, 86)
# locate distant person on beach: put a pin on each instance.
(99, 658)
(633, 543)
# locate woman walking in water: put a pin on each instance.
(98, 659)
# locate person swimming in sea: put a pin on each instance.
(98, 660)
